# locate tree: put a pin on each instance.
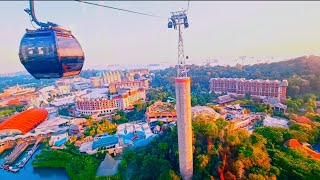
(202, 161)
(169, 175)
(73, 138)
(92, 132)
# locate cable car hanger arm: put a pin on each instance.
(31, 12)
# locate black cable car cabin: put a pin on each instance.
(51, 53)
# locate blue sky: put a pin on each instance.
(217, 30)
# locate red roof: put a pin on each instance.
(303, 120)
(292, 143)
(130, 107)
(26, 120)
(15, 101)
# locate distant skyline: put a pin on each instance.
(218, 30)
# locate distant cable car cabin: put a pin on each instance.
(50, 51)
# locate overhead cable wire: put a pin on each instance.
(188, 5)
(119, 9)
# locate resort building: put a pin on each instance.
(99, 101)
(16, 91)
(114, 87)
(80, 85)
(111, 77)
(160, 110)
(256, 87)
(275, 103)
(224, 99)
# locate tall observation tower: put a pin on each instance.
(183, 100)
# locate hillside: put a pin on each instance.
(299, 72)
(284, 69)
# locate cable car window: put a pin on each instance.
(40, 50)
(30, 50)
(69, 47)
(31, 47)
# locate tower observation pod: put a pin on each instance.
(183, 100)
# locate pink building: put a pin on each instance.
(256, 87)
(98, 102)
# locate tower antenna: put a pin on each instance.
(176, 20)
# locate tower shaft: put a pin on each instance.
(183, 107)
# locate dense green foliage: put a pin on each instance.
(157, 94)
(78, 166)
(291, 163)
(303, 103)
(136, 114)
(9, 110)
(220, 150)
(313, 117)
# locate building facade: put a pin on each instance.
(161, 110)
(257, 87)
(110, 77)
(16, 91)
(106, 104)
(113, 87)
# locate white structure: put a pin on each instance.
(183, 108)
(205, 110)
(51, 124)
(275, 122)
(80, 85)
(63, 101)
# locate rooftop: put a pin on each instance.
(96, 93)
(161, 107)
(204, 110)
(276, 122)
(106, 140)
(51, 122)
(108, 166)
(26, 120)
(303, 120)
(292, 143)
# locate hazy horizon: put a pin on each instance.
(262, 31)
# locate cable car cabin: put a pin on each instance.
(51, 53)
